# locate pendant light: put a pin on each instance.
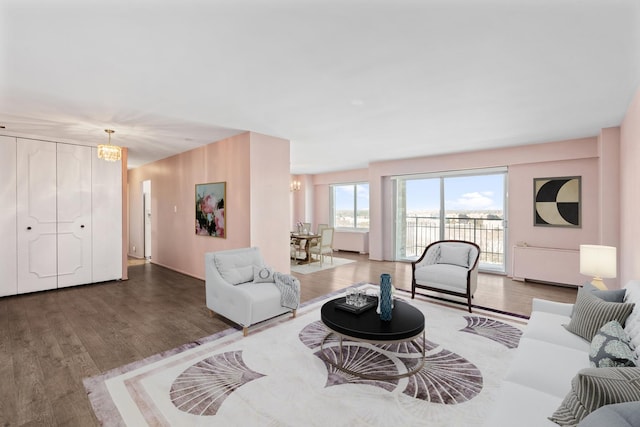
(108, 152)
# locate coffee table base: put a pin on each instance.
(340, 365)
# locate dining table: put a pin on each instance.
(307, 238)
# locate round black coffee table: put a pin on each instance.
(406, 324)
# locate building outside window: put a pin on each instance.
(350, 206)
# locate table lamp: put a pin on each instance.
(598, 261)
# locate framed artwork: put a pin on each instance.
(210, 215)
(556, 202)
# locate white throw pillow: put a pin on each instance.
(235, 268)
(263, 274)
(456, 255)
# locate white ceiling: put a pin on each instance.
(348, 82)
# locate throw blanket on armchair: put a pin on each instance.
(289, 288)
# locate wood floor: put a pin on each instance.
(50, 341)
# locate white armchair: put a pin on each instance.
(233, 291)
(449, 267)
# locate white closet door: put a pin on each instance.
(107, 219)
(8, 225)
(74, 215)
(36, 216)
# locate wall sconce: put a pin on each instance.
(295, 185)
(598, 261)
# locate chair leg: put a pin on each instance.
(245, 331)
(293, 313)
(469, 302)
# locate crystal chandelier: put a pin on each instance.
(108, 152)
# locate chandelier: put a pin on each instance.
(108, 152)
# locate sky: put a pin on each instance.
(479, 192)
(344, 196)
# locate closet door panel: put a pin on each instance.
(8, 224)
(74, 214)
(107, 219)
(36, 216)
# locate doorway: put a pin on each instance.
(146, 209)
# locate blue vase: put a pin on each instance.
(385, 297)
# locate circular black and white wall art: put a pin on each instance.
(557, 201)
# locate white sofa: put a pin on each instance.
(546, 361)
(233, 291)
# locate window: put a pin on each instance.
(457, 205)
(350, 206)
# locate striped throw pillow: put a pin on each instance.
(591, 313)
(592, 388)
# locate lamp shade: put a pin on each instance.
(598, 261)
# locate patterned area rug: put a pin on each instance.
(275, 376)
(314, 267)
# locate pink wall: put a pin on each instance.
(520, 207)
(355, 175)
(270, 222)
(594, 159)
(173, 180)
(629, 250)
(609, 186)
(610, 191)
(564, 158)
(302, 201)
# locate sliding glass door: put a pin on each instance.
(452, 207)
(418, 218)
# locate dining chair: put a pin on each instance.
(294, 247)
(316, 242)
(325, 245)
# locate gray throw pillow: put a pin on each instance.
(593, 388)
(611, 347)
(263, 274)
(616, 415)
(591, 313)
(609, 295)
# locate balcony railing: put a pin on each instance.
(487, 233)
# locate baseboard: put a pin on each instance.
(177, 270)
